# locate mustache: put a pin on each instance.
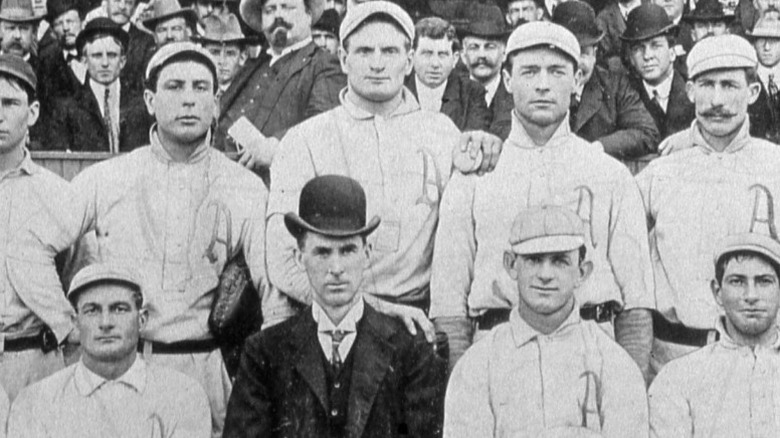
(483, 61)
(279, 23)
(717, 112)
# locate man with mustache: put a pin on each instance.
(716, 179)
(169, 22)
(765, 37)
(291, 81)
(140, 45)
(100, 116)
(18, 27)
(728, 388)
(177, 211)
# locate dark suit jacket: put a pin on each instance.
(680, 111)
(764, 120)
(55, 78)
(140, 48)
(611, 22)
(302, 84)
(397, 383)
(501, 107)
(611, 112)
(463, 101)
(77, 123)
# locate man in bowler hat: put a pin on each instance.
(339, 368)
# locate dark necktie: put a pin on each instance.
(109, 122)
(772, 86)
(337, 336)
(574, 105)
(657, 100)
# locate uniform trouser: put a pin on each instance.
(19, 369)
(208, 369)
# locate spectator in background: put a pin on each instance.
(708, 19)
(674, 9)
(524, 11)
(101, 116)
(605, 108)
(325, 32)
(612, 21)
(435, 85)
(749, 11)
(18, 28)
(765, 37)
(650, 41)
(288, 83)
(171, 23)
(223, 39)
(140, 45)
(339, 6)
(484, 41)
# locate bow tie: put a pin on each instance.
(70, 56)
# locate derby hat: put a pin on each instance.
(56, 8)
(17, 67)
(488, 24)
(162, 10)
(18, 11)
(329, 22)
(333, 206)
(101, 26)
(708, 10)
(647, 21)
(767, 26)
(223, 29)
(252, 12)
(580, 19)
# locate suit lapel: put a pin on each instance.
(87, 100)
(308, 361)
(411, 84)
(450, 100)
(373, 354)
(590, 101)
(240, 81)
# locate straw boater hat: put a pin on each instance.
(18, 11)
(223, 29)
(766, 27)
(252, 12)
(166, 9)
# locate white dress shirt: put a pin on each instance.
(289, 49)
(347, 325)
(663, 89)
(429, 98)
(491, 88)
(764, 72)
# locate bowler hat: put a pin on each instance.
(55, 8)
(165, 10)
(490, 25)
(101, 26)
(252, 12)
(17, 67)
(767, 26)
(708, 10)
(647, 21)
(331, 205)
(329, 22)
(546, 229)
(223, 29)
(18, 11)
(580, 19)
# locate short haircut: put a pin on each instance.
(508, 63)
(32, 95)
(436, 28)
(151, 82)
(138, 297)
(378, 18)
(723, 261)
(301, 239)
(98, 36)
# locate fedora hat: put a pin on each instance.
(489, 23)
(18, 11)
(166, 9)
(580, 19)
(708, 10)
(767, 26)
(101, 26)
(647, 21)
(331, 205)
(223, 29)
(252, 12)
(329, 22)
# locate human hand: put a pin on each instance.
(259, 153)
(409, 316)
(477, 151)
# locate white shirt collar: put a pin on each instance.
(88, 382)
(429, 98)
(764, 72)
(99, 90)
(286, 50)
(348, 324)
(491, 88)
(664, 90)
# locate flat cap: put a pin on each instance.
(546, 229)
(545, 34)
(100, 272)
(358, 14)
(19, 68)
(753, 242)
(168, 51)
(719, 52)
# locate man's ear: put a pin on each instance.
(586, 268)
(755, 90)
(149, 101)
(506, 75)
(33, 113)
(342, 54)
(143, 317)
(509, 264)
(689, 91)
(715, 288)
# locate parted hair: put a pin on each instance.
(436, 28)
